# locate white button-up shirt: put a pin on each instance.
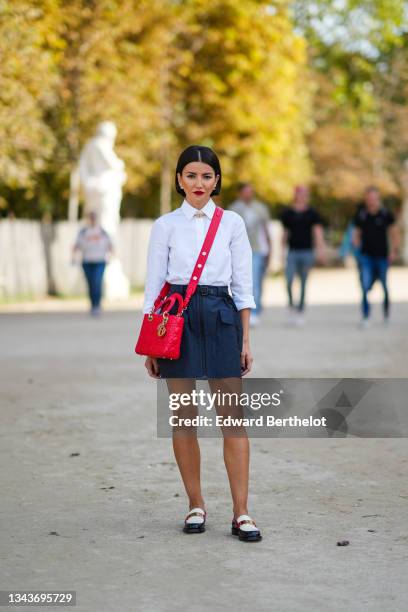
(175, 242)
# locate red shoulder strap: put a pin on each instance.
(163, 293)
(203, 256)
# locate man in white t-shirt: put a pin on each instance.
(95, 246)
(256, 217)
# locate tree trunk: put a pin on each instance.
(404, 216)
(165, 184)
(74, 189)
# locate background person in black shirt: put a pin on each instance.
(376, 234)
(303, 232)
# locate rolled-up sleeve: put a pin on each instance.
(241, 256)
(157, 262)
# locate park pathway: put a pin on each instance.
(91, 499)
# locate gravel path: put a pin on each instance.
(92, 501)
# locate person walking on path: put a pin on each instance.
(376, 234)
(95, 247)
(215, 342)
(303, 232)
(256, 217)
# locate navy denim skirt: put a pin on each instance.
(212, 337)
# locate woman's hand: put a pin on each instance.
(246, 358)
(152, 367)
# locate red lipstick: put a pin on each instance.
(198, 192)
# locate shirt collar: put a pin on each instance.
(190, 211)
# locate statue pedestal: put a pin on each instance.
(116, 285)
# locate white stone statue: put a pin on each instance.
(102, 176)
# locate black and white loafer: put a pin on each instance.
(195, 521)
(245, 528)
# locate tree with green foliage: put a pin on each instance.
(352, 48)
(239, 87)
(27, 93)
(168, 74)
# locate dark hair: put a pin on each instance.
(198, 153)
(371, 188)
(242, 186)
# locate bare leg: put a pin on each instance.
(185, 445)
(236, 446)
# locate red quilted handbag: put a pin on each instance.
(161, 333)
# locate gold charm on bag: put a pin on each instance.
(161, 328)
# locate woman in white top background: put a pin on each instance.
(215, 342)
(95, 246)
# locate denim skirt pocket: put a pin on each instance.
(227, 316)
(230, 329)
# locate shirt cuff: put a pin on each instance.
(147, 305)
(244, 301)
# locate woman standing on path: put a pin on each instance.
(215, 341)
(95, 245)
